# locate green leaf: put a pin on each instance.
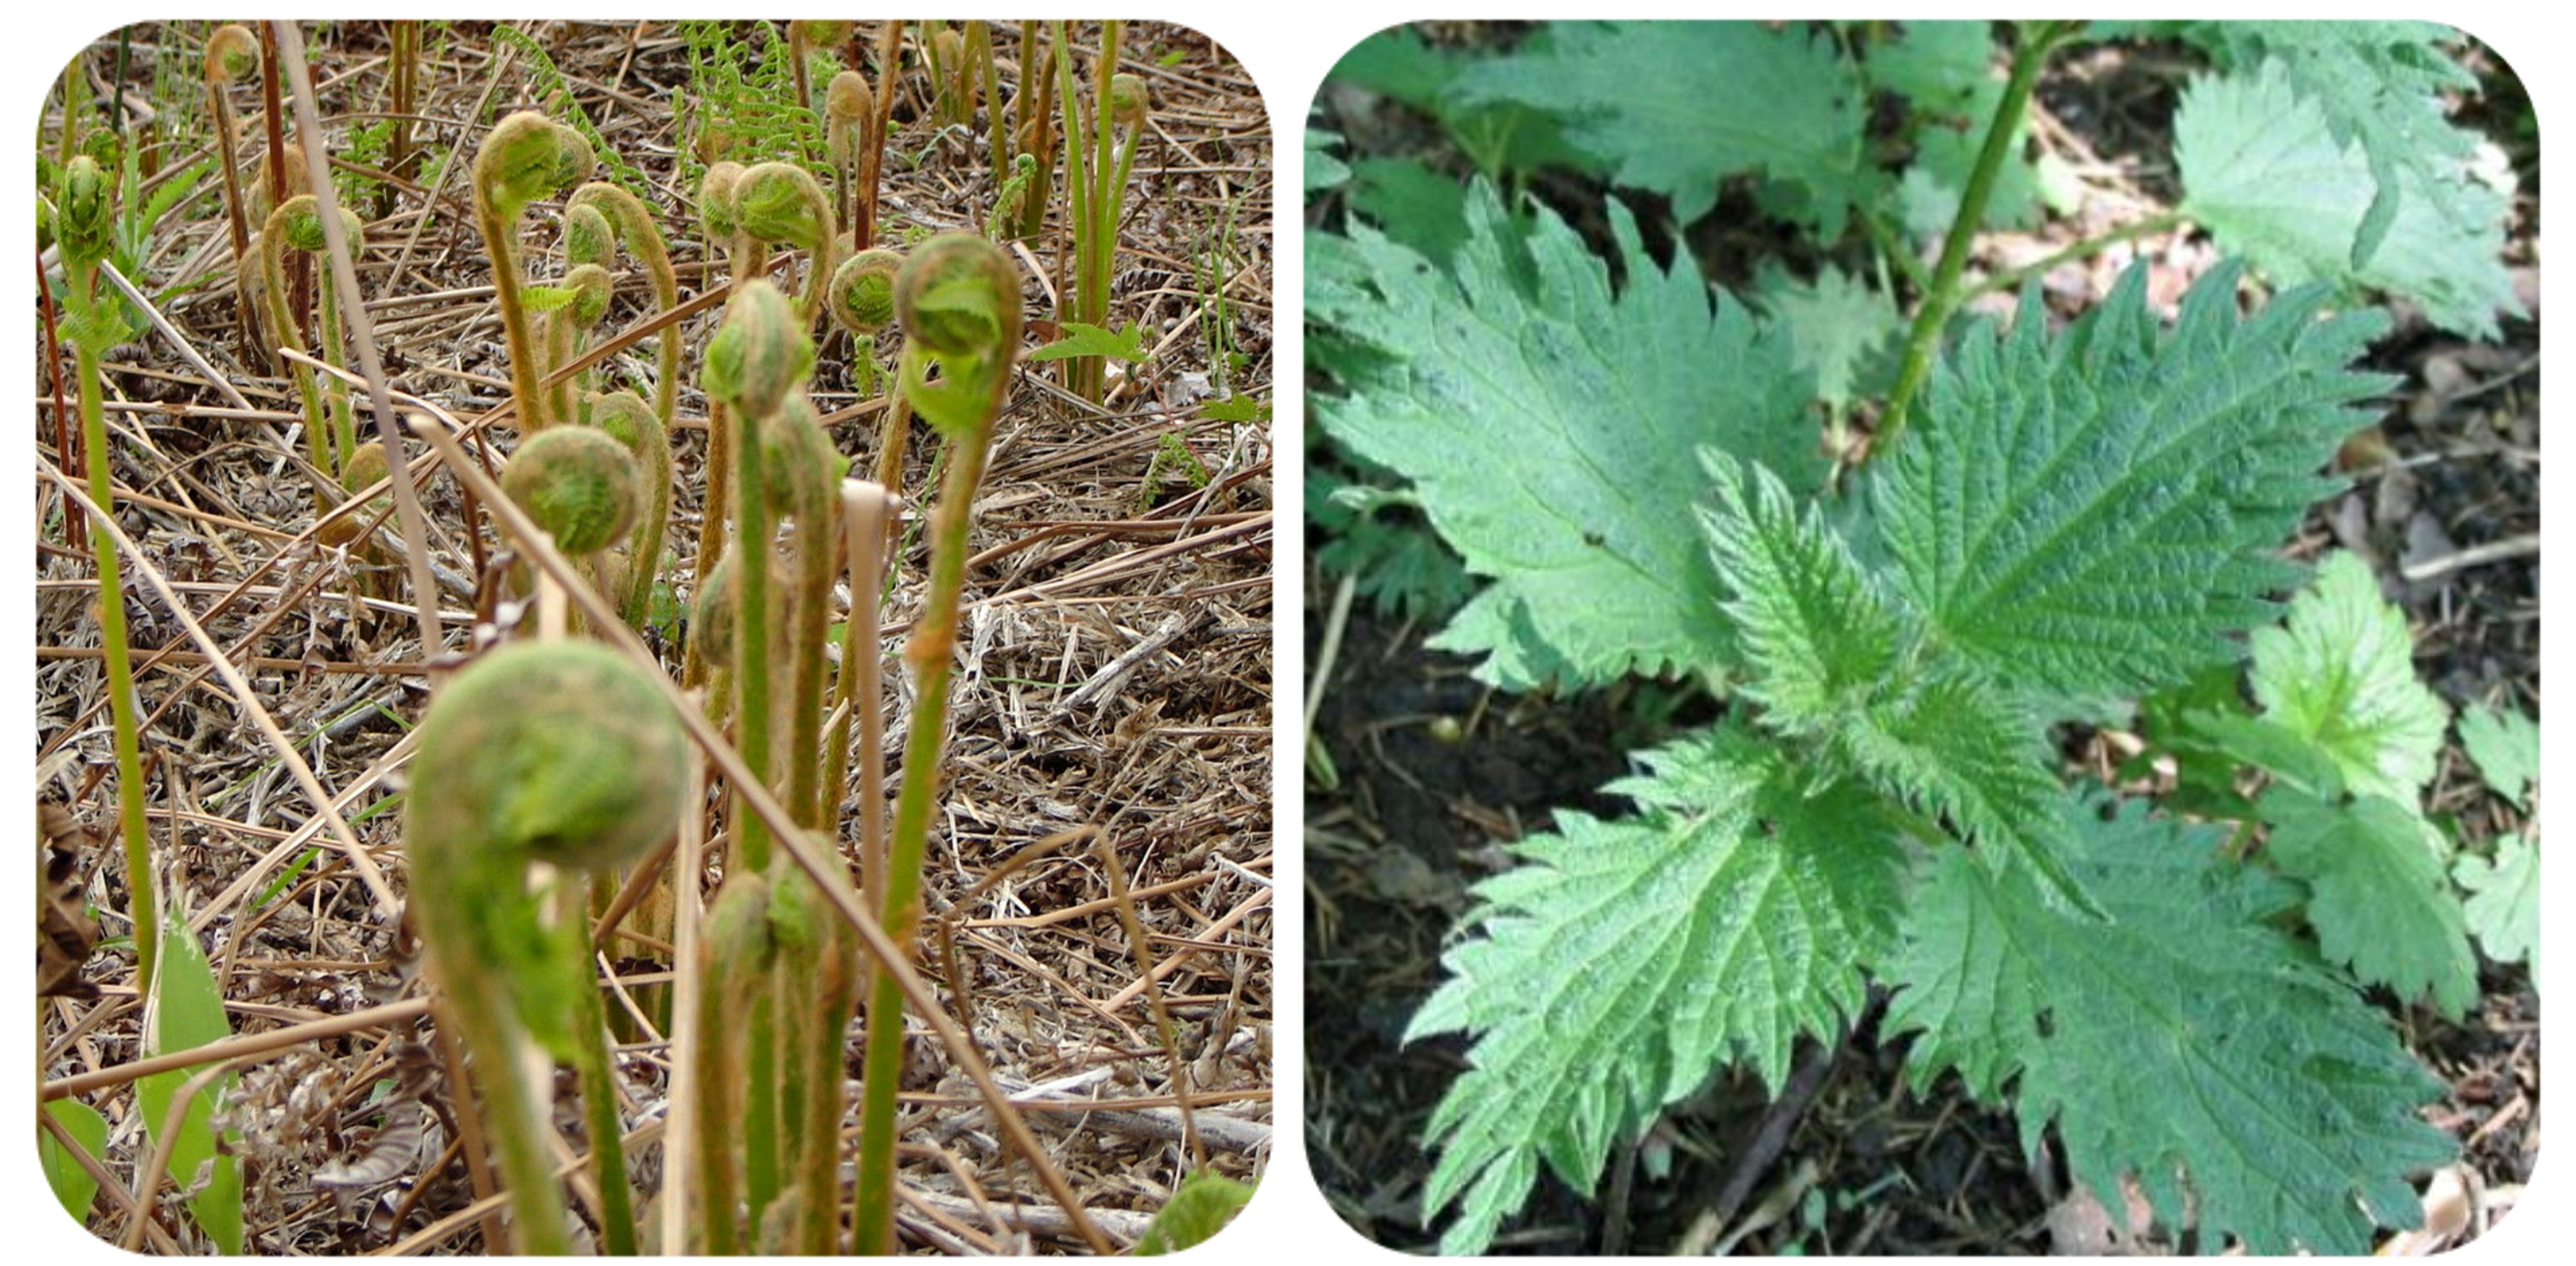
(1203, 1204)
(1399, 565)
(2504, 901)
(63, 1172)
(186, 1011)
(1323, 170)
(1676, 107)
(2505, 746)
(1817, 636)
(1501, 138)
(1422, 208)
(2266, 170)
(1551, 426)
(1838, 327)
(1126, 344)
(1236, 408)
(2096, 512)
(1623, 962)
(2340, 673)
(2187, 1043)
(2378, 898)
(1941, 67)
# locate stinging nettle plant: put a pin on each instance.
(2046, 525)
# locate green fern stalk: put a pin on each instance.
(84, 227)
(959, 302)
(525, 157)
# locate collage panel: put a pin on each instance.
(1923, 638)
(651, 636)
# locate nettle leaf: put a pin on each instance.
(1499, 136)
(1830, 657)
(2384, 86)
(1839, 328)
(1323, 169)
(1676, 107)
(2096, 512)
(2378, 898)
(1551, 426)
(2188, 1042)
(1422, 208)
(1817, 637)
(2503, 907)
(2505, 746)
(2265, 167)
(1623, 962)
(2340, 673)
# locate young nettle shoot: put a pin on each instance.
(538, 764)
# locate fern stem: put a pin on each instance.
(141, 883)
(2028, 60)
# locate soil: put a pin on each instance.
(1113, 670)
(1432, 777)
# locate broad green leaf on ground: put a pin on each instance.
(2099, 510)
(1422, 208)
(2263, 166)
(1204, 1203)
(1127, 344)
(64, 1173)
(186, 1011)
(1323, 169)
(1622, 962)
(2505, 746)
(2340, 673)
(2377, 895)
(1839, 328)
(1676, 107)
(1551, 426)
(2503, 907)
(2188, 1042)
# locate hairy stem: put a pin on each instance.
(2040, 40)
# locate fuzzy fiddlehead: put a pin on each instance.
(537, 759)
(782, 202)
(365, 468)
(526, 156)
(862, 293)
(861, 301)
(849, 128)
(587, 237)
(578, 484)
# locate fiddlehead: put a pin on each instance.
(536, 758)
(526, 156)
